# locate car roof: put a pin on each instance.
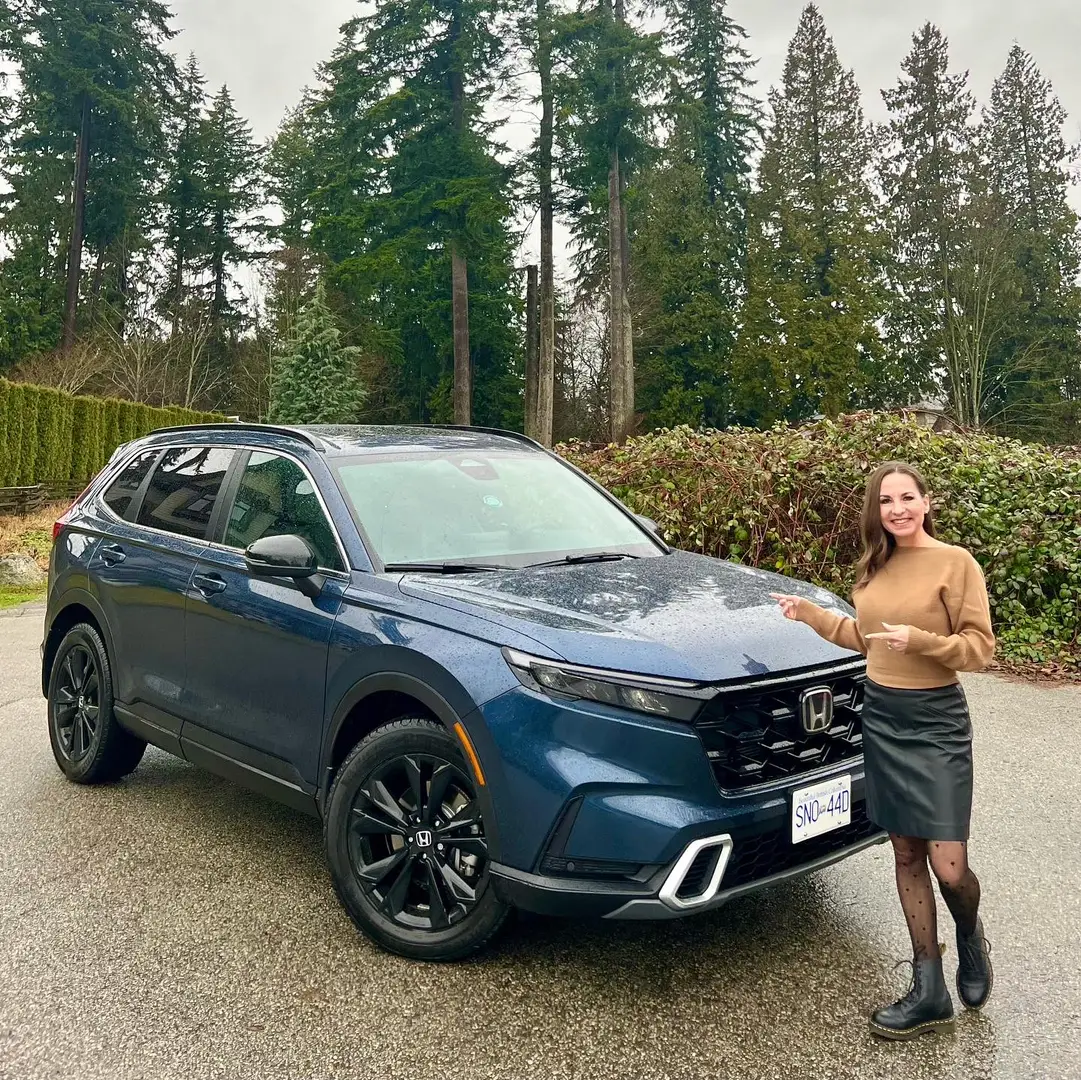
(337, 440)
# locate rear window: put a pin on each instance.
(184, 489)
(125, 487)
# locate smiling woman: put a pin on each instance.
(922, 615)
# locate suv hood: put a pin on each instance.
(681, 615)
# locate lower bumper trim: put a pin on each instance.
(652, 908)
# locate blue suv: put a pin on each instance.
(496, 686)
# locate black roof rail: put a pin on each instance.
(273, 429)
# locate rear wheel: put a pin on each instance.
(87, 742)
(405, 841)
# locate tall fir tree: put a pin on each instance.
(1035, 366)
(185, 198)
(232, 176)
(315, 381)
(809, 340)
(94, 83)
(610, 73)
(409, 194)
(690, 249)
(926, 176)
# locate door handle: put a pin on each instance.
(111, 554)
(208, 584)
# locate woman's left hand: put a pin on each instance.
(895, 637)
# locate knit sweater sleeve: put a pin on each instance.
(972, 644)
(840, 629)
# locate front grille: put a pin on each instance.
(756, 736)
(759, 856)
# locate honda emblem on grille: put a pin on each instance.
(816, 709)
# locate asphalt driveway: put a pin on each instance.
(177, 926)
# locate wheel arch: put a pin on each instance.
(79, 606)
(383, 696)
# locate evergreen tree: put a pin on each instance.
(232, 194)
(94, 79)
(1036, 362)
(186, 201)
(407, 194)
(809, 340)
(691, 245)
(611, 73)
(926, 177)
(315, 381)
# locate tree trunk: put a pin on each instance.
(75, 251)
(628, 328)
(617, 392)
(546, 367)
(531, 372)
(463, 374)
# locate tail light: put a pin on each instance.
(63, 519)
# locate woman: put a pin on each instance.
(922, 615)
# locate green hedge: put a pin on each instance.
(789, 500)
(49, 435)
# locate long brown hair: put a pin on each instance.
(878, 544)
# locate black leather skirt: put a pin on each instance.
(917, 747)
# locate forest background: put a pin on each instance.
(736, 257)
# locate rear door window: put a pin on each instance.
(184, 488)
(125, 487)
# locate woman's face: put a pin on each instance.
(902, 507)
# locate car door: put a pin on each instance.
(257, 646)
(143, 566)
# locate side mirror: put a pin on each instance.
(287, 556)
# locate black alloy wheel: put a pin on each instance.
(78, 704)
(88, 743)
(416, 842)
(406, 845)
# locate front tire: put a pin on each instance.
(89, 745)
(405, 843)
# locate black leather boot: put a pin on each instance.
(974, 975)
(926, 1007)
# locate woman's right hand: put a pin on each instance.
(790, 605)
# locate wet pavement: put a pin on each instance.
(175, 925)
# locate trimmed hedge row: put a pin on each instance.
(789, 500)
(50, 435)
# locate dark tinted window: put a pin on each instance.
(125, 487)
(182, 491)
(276, 498)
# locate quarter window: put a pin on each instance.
(276, 498)
(183, 489)
(126, 486)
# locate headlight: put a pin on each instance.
(674, 698)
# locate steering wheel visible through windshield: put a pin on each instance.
(509, 506)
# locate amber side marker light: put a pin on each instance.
(463, 738)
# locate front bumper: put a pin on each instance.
(708, 871)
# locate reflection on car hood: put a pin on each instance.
(682, 615)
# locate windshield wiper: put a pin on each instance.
(442, 567)
(594, 556)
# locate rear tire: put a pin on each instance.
(405, 843)
(89, 745)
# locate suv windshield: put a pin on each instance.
(505, 505)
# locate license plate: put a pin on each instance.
(821, 807)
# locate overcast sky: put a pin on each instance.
(267, 50)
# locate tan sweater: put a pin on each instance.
(941, 594)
